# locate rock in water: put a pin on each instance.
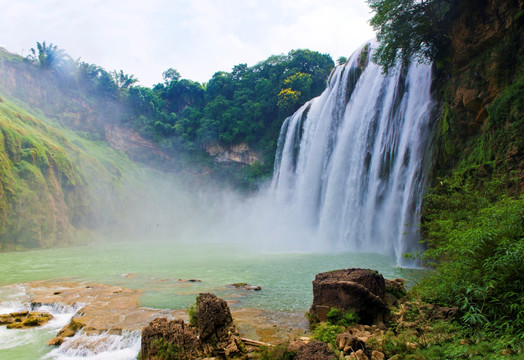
(359, 290)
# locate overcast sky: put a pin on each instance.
(196, 37)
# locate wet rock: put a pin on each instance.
(189, 280)
(25, 319)
(172, 338)
(315, 350)
(359, 290)
(56, 341)
(245, 286)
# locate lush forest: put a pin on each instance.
(246, 105)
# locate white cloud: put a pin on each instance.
(197, 37)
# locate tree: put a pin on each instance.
(170, 75)
(123, 81)
(409, 29)
(49, 56)
(342, 60)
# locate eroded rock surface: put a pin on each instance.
(315, 350)
(359, 290)
(214, 334)
(171, 336)
(25, 319)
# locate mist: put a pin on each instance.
(156, 207)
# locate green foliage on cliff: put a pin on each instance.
(38, 182)
(408, 29)
(247, 105)
(56, 184)
(473, 217)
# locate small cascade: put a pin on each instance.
(124, 346)
(352, 162)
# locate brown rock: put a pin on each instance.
(213, 314)
(377, 355)
(6, 319)
(26, 319)
(163, 335)
(315, 350)
(358, 355)
(347, 342)
(359, 290)
(56, 341)
(216, 328)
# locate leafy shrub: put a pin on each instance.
(193, 315)
(479, 267)
(165, 350)
(327, 333)
(342, 318)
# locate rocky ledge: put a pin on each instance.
(25, 319)
(362, 291)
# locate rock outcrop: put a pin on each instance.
(315, 350)
(360, 290)
(25, 319)
(239, 154)
(170, 337)
(214, 334)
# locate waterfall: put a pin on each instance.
(352, 162)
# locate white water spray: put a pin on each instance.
(352, 162)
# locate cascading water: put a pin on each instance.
(352, 162)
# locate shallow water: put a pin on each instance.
(156, 267)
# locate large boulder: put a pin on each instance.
(214, 334)
(216, 329)
(360, 290)
(172, 338)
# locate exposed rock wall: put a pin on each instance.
(477, 59)
(239, 153)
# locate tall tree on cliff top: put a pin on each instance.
(47, 56)
(408, 29)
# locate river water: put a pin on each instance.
(155, 267)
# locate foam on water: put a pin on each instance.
(98, 347)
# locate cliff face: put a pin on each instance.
(239, 154)
(42, 195)
(482, 89)
(486, 43)
(61, 97)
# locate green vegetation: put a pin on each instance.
(342, 318)
(247, 105)
(473, 217)
(408, 29)
(278, 352)
(165, 350)
(192, 311)
(327, 333)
